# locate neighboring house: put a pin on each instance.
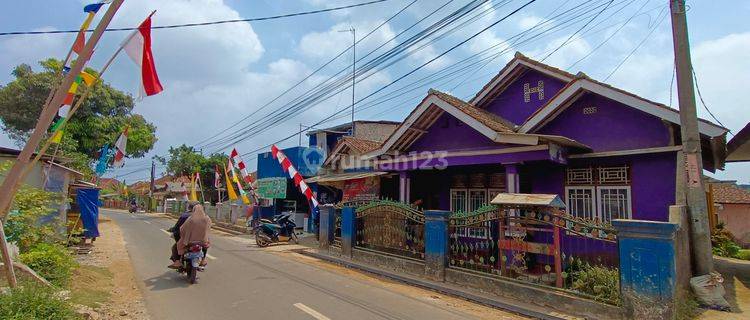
(109, 184)
(326, 139)
(609, 154)
(48, 174)
(732, 205)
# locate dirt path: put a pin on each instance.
(109, 252)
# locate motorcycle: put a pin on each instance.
(280, 229)
(191, 261)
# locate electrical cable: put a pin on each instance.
(200, 24)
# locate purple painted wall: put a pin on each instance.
(611, 126)
(652, 186)
(449, 133)
(510, 103)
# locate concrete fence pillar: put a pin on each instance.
(327, 226)
(436, 243)
(648, 268)
(232, 210)
(348, 231)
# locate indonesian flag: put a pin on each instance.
(138, 47)
(120, 145)
(217, 177)
(235, 157)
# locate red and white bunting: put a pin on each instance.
(294, 174)
(235, 156)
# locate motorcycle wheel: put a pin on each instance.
(192, 274)
(260, 240)
(294, 238)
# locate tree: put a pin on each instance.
(186, 161)
(100, 119)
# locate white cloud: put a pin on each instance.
(329, 43)
(528, 22)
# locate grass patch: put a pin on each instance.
(744, 254)
(90, 286)
(32, 301)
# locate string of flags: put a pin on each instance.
(294, 174)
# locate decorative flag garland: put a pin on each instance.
(120, 146)
(217, 177)
(294, 174)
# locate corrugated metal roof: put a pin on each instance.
(528, 199)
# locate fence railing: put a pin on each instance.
(390, 227)
(337, 227)
(540, 245)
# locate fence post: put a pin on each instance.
(327, 225)
(648, 269)
(348, 230)
(436, 243)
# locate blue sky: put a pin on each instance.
(215, 75)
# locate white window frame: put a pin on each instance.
(600, 203)
(466, 199)
(594, 211)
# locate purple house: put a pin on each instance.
(534, 128)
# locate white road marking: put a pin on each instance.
(310, 311)
(165, 231)
(210, 257)
(146, 221)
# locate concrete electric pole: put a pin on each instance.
(693, 188)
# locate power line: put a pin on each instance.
(579, 30)
(648, 35)
(700, 97)
(199, 24)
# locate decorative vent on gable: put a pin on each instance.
(528, 90)
(609, 175)
(580, 176)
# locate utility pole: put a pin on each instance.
(13, 178)
(354, 67)
(693, 188)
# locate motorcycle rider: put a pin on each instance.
(175, 230)
(195, 229)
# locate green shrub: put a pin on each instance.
(31, 301)
(23, 226)
(51, 261)
(600, 282)
(744, 254)
(723, 243)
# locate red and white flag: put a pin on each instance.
(217, 177)
(120, 146)
(235, 156)
(294, 174)
(138, 47)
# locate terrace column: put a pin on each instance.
(436, 244)
(404, 184)
(348, 231)
(648, 269)
(327, 226)
(511, 178)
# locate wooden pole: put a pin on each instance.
(13, 178)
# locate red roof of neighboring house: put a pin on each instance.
(109, 183)
(730, 193)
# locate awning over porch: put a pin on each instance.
(344, 176)
(528, 199)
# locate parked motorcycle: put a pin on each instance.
(133, 208)
(191, 261)
(280, 229)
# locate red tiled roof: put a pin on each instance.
(730, 193)
(360, 145)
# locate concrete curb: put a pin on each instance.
(437, 287)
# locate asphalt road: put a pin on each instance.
(246, 282)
